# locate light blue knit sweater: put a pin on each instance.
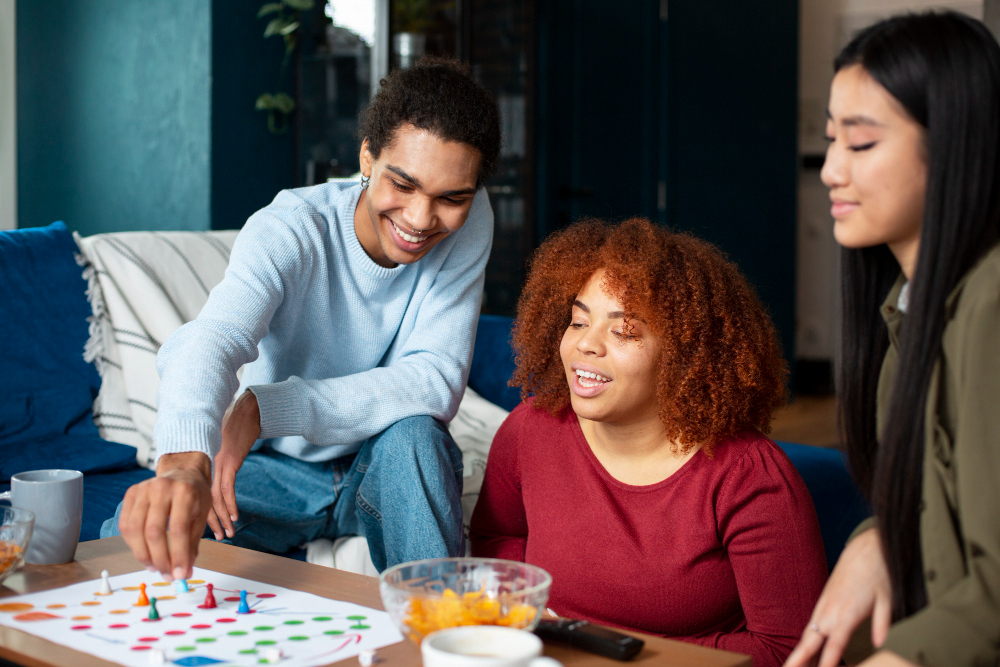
(341, 348)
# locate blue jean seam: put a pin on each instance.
(368, 508)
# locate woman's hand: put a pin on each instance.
(858, 588)
(240, 429)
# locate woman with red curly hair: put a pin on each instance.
(635, 471)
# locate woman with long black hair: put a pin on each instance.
(913, 169)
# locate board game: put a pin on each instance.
(139, 620)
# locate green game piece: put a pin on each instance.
(360, 626)
(248, 651)
(266, 642)
(153, 614)
(322, 618)
(205, 640)
(297, 638)
(334, 632)
(263, 628)
(184, 648)
(236, 633)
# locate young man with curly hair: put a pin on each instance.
(354, 308)
(636, 473)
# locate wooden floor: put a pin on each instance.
(809, 420)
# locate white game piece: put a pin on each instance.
(105, 584)
(273, 655)
(367, 657)
(156, 658)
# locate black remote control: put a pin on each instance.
(587, 637)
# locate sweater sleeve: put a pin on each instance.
(962, 626)
(198, 363)
(427, 377)
(768, 526)
(499, 527)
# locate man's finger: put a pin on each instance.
(220, 490)
(132, 522)
(229, 495)
(155, 535)
(213, 523)
(182, 515)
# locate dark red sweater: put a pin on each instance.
(726, 552)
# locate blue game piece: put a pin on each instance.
(196, 661)
(182, 586)
(244, 608)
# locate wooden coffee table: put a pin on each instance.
(113, 555)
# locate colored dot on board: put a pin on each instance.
(266, 642)
(360, 626)
(196, 581)
(201, 626)
(162, 583)
(150, 620)
(165, 597)
(181, 614)
(140, 647)
(36, 616)
(184, 648)
(82, 618)
(264, 628)
(225, 620)
(90, 603)
(236, 633)
(174, 633)
(294, 622)
(55, 606)
(233, 599)
(149, 639)
(248, 651)
(80, 627)
(11, 607)
(265, 595)
(356, 618)
(118, 611)
(118, 626)
(205, 640)
(297, 638)
(130, 588)
(322, 618)
(334, 632)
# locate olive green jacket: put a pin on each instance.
(960, 510)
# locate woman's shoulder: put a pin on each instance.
(751, 454)
(980, 289)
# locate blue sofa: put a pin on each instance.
(45, 410)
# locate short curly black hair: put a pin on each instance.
(435, 94)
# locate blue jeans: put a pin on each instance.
(402, 491)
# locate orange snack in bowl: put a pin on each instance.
(9, 554)
(472, 608)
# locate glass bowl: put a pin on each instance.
(15, 533)
(427, 595)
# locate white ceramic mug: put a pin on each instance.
(484, 646)
(56, 499)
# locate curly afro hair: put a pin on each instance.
(720, 370)
(435, 94)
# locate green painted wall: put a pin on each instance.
(114, 114)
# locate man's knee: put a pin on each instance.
(416, 438)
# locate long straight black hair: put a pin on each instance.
(944, 69)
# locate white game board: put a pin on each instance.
(307, 629)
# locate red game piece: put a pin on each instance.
(209, 598)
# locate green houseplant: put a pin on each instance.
(285, 22)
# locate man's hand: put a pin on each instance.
(163, 518)
(240, 429)
(858, 588)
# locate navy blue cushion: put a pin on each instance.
(839, 504)
(493, 362)
(46, 417)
